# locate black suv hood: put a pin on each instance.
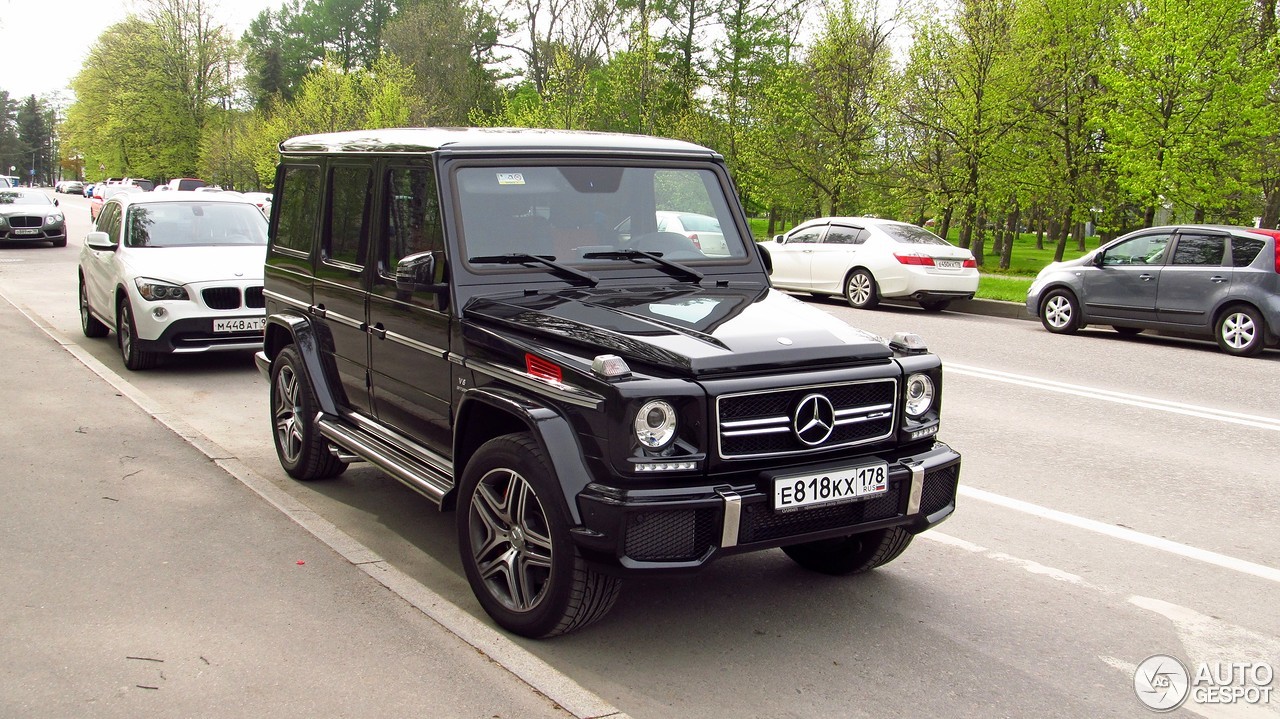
(689, 329)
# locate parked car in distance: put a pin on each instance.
(703, 230)
(261, 199)
(1202, 280)
(29, 215)
(104, 191)
(88, 189)
(867, 259)
(69, 187)
(10, 181)
(593, 396)
(174, 273)
(186, 183)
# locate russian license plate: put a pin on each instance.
(26, 232)
(240, 324)
(842, 485)
(948, 264)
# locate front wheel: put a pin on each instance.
(1060, 312)
(88, 323)
(135, 358)
(860, 290)
(304, 454)
(1241, 331)
(513, 536)
(853, 554)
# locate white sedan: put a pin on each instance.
(867, 259)
(174, 273)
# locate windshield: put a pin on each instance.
(911, 234)
(21, 197)
(578, 215)
(184, 224)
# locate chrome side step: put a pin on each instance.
(431, 482)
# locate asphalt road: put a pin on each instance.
(1119, 499)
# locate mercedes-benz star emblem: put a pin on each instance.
(814, 419)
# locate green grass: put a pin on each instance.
(994, 284)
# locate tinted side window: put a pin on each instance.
(1142, 250)
(299, 208)
(1199, 250)
(346, 237)
(840, 235)
(109, 222)
(413, 216)
(812, 234)
(1244, 250)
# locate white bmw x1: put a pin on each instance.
(174, 273)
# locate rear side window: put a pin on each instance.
(839, 235)
(346, 237)
(1204, 250)
(1244, 250)
(299, 208)
(912, 235)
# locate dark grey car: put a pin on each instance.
(1201, 280)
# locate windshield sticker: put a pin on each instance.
(691, 311)
(510, 178)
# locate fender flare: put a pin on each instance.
(300, 333)
(550, 429)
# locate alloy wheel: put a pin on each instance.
(860, 289)
(1238, 330)
(1057, 311)
(287, 412)
(510, 540)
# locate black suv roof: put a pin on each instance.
(430, 139)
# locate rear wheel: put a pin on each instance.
(853, 554)
(304, 454)
(935, 305)
(135, 358)
(513, 536)
(88, 323)
(1060, 312)
(860, 290)
(1241, 331)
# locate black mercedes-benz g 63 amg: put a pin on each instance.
(497, 319)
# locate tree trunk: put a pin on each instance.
(773, 220)
(966, 223)
(1039, 220)
(945, 229)
(1080, 237)
(977, 245)
(1061, 246)
(1006, 255)
(997, 237)
(1149, 217)
(1271, 210)
(1198, 218)
(920, 216)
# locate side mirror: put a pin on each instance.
(780, 239)
(417, 273)
(100, 241)
(55, 202)
(766, 258)
(1097, 259)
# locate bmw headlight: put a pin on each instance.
(155, 290)
(655, 424)
(53, 218)
(920, 394)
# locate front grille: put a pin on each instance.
(26, 221)
(759, 523)
(761, 423)
(939, 489)
(253, 297)
(221, 298)
(672, 536)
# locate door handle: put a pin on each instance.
(379, 331)
(319, 311)
(1144, 277)
(1218, 279)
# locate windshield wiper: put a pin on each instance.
(637, 254)
(523, 258)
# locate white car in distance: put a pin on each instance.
(177, 272)
(867, 259)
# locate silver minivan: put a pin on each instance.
(1200, 280)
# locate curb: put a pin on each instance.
(540, 676)
(986, 308)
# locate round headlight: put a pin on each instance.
(655, 424)
(919, 395)
(53, 219)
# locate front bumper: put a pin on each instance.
(678, 530)
(51, 233)
(195, 334)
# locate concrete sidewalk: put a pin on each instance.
(139, 578)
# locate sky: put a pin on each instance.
(45, 41)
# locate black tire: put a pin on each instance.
(853, 554)
(1127, 331)
(88, 323)
(1060, 312)
(860, 290)
(1240, 331)
(519, 558)
(303, 451)
(135, 358)
(935, 305)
